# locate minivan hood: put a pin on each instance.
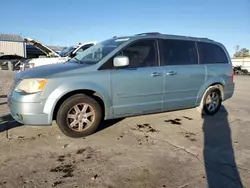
(49, 70)
(48, 51)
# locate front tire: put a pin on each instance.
(79, 116)
(211, 101)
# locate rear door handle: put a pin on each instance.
(171, 73)
(154, 74)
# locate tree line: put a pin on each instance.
(243, 52)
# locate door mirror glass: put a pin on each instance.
(121, 61)
(72, 55)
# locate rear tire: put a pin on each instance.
(211, 101)
(79, 116)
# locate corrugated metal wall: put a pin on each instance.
(12, 48)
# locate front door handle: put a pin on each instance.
(171, 73)
(154, 74)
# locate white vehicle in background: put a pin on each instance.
(52, 57)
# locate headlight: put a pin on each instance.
(31, 85)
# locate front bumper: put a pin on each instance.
(29, 113)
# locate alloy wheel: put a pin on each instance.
(213, 101)
(80, 117)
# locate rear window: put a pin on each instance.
(211, 53)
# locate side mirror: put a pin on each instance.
(72, 55)
(121, 61)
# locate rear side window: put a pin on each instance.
(178, 52)
(211, 53)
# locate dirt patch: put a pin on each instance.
(140, 140)
(146, 127)
(193, 139)
(188, 118)
(61, 158)
(175, 121)
(67, 169)
(94, 177)
(68, 162)
(121, 136)
(56, 183)
(87, 153)
(80, 151)
(2, 183)
(190, 136)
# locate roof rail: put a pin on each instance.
(200, 38)
(149, 33)
(183, 36)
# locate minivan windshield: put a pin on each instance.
(66, 51)
(97, 52)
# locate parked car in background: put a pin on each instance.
(11, 62)
(239, 71)
(124, 76)
(52, 56)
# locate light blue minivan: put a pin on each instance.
(124, 76)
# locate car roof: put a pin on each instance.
(165, 36)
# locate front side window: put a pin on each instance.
(141, 54)
(211, 53)
(178, 52)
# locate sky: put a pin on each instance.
(68, 22)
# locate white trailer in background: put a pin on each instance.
(243, 62)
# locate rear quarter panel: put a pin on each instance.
(218, 74)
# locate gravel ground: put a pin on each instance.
(176, 149)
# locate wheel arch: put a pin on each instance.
(91, 93)
(219, 83)
(62, 92)
(220, 87)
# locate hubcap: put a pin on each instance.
(80, 117)
(212, 101)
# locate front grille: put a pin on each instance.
(22, 68)
(24, 65)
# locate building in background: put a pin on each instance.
(11, 44)
(14, 50)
